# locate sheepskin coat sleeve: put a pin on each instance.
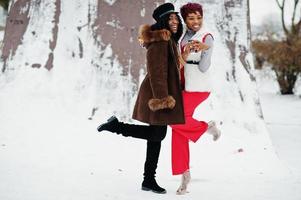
(159, 100)
(157, 67)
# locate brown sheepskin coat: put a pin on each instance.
(159, 100)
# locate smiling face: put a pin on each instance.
(194, 21)
(173, 23)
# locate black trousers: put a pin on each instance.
(154, 135)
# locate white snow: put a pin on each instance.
(3, 15)
(49, 150)
(115, 24)
(142, 12)
(110, 2)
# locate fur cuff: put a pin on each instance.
(165, 103)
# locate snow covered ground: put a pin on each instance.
(283, 118)
(50, 150)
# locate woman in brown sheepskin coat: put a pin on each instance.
(159, 102)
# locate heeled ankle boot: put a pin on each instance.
(150, 184)
(111, 125)
(184, 183)
(213, 130)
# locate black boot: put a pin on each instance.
(152, 156)
(151, 185)
(111, 125)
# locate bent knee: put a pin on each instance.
(159, 135)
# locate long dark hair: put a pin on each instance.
(163, 24)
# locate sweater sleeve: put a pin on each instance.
(205, 60)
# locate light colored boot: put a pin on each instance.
(184, 182)
(213, 130)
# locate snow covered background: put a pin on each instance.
(50, 150)
(49, 156)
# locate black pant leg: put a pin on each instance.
(151, 161)
(151, 132)
(153, 152)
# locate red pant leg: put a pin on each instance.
(191, 130)
(180, 153)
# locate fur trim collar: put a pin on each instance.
(146, 35)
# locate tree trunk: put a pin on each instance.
(102, 36)
(286, 81)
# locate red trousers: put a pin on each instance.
(191, 130)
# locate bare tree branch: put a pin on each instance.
(278, 4)
(294, 15)
(282, 16)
